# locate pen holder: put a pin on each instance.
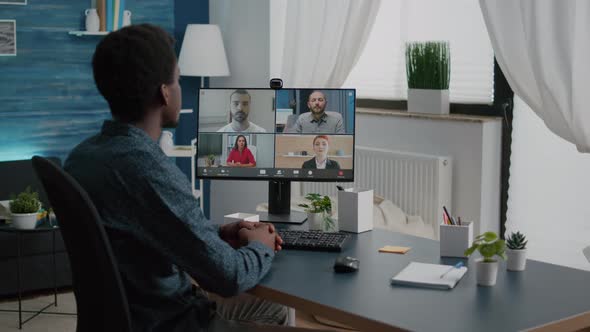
(455, 239)
(355, 210)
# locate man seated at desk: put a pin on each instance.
(317, 120)
(239, 104)
(159, 236)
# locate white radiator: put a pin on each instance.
(419, 184)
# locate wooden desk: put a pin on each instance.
(544, 297)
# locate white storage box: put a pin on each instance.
(355, 210)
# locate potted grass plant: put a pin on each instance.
(319, 212)
(488, 245)
(516, 252)
(428, 69)
(24, 208)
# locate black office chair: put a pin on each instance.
(100, 297)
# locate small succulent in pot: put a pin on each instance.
(516, 251)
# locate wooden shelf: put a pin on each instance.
(180, 151)
(87, 33)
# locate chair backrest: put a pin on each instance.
(290, 125)
(100, 297)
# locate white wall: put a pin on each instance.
(245, 29)
(265, 143)
(548, 193)
(474, 146)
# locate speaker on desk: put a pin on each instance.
(355, 210)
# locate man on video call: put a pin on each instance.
(158, 233)
(317, 120)
(239, 105)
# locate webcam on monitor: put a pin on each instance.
(276, 83)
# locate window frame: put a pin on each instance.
(501, 107)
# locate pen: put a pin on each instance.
(456, 266)
(449, 216)
(446, 219)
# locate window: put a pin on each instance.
(380, 71)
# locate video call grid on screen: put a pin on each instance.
(283, 139)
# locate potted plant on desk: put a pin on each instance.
(489, 245)
(516, 252)
(319, 212)
(24, 208)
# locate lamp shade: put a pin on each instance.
(202, 52)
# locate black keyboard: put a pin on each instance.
(313, 240)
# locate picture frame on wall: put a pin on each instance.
(7, 37)
(13, 2)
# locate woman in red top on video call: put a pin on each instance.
(240, 155)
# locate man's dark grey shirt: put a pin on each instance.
(329, 123)
(158, 234)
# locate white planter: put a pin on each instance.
(516, 259)
(315, 221)
(428, 101)
(486, 272)
(24, 220)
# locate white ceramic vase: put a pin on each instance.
(486, 273)
(315, 221)
(516, 259)
(126, 18)
(24, 220)
(92, 21)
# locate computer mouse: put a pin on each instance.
(346, 264)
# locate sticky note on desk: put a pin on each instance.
(395, 249)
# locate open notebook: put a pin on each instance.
(428, 275)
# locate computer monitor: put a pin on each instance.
(277, 136)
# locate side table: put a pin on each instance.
(19, 233)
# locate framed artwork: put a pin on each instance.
(13, 2)
(7, 37)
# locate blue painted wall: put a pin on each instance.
(189, 12)
(48, 100)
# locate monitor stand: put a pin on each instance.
(279, 204)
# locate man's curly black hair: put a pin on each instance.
(129, 67)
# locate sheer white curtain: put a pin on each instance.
(542, 46)
(548, 193)
(315, 43)
(543, 49)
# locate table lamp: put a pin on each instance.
(202, 54)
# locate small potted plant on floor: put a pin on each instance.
(24, 208)
(319, 212)
(489, 245)
(428, 70)
(516, 251)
